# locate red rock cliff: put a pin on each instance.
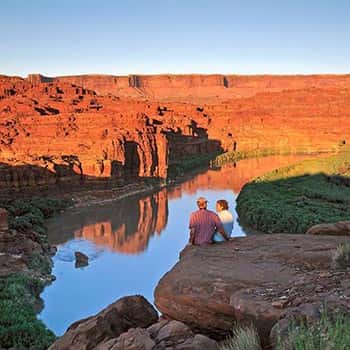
(68, 129)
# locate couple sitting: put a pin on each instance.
(208, 227)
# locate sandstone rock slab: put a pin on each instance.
(341, 228)
(3, 219)
(213, 287)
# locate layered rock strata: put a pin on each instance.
(69, 130)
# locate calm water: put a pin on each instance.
(133, 242)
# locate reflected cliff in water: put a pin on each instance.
(125, 227)
(133, 242)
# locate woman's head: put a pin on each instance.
(221, 204)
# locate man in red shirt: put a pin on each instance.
(204, 223)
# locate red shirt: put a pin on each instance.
(204, 223)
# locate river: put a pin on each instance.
(132, 242)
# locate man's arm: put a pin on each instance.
(192, 236)
(192, 230)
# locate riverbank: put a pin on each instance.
(294, 198)
(235, 156)
(25, 270)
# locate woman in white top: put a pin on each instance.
(226, 218)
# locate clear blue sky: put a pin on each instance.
(60, 37)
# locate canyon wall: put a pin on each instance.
(70, 130)
(197, 87)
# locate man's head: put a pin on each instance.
(202, 203)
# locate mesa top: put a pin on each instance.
(204, 223)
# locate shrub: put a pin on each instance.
(243, 338)
(40, 263)
(328, 333)
(341, 257)
(19, 327)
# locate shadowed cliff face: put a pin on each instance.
(125, 128)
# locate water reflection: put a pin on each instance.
(125, 227)
(133, 242)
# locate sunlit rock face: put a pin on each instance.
(85, 128)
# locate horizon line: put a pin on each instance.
(173, 74)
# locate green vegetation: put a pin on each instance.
(190, 163)
(329, 333)
(294, 198)
(234, 156)
(341, 257)
(29, 214)
(19, 327)
(243, 338)
(40, 263)
(19, 293)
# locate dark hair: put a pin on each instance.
(223, 203)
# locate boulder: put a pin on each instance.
(81, 259)
(133, 339)
(110, 323)
(176, 335)
(341, 228)
(254, 279)
(162, 335)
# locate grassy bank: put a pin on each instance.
(235, 156)
(184, 165)
(293, 198)
(19, 326)
(19, 292)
